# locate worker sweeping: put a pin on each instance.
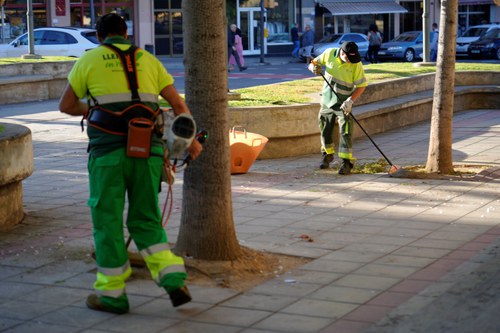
(126, 156)
(344, 71)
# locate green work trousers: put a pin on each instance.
(326, 121)
(111, 178)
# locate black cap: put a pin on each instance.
(351, 49)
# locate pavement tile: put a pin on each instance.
(444, 244)
(421, 252)
(333, 266)
(25, 310)
(201, 327)
(132, 323)
(232, 316)
(319, 308)
(211, 295)
(387, 270)
(281, 288)
(411, 286)
(36, 326)
(366, 281)
(422, 225)
(340, 237)
(272, 303)
(390, 298)
(346, 326)
(57, 295)
(14, 290)
(73, 316)
(306, 250)
(368, 313)
(6, 323)
(306, 276)
(162, 308)
(293, 323)
(353, 256)
(351, 295)
(404, 261)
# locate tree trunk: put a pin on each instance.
(439, 158)
(207, 227)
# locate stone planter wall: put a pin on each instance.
(16, 164)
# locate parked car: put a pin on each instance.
(407, 47)
(471, 35)
(70, 42)
(336, 41)
(487, 46)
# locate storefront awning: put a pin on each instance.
(338, 8)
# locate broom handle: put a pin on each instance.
(357, 122)
(380, 151)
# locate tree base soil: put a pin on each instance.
(250, 269)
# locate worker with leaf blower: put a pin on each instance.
(344, 71)
(126, 157)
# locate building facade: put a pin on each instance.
(157, 24)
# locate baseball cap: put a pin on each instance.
(351, 49)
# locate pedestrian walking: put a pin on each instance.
(238, 44)
(118, 93)
(434, 42)
(344, 71)
(374, 40)
(294, 34)
(231, 47)
(307, 42)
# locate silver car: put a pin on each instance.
(70, 42)
(407, 47)
(336, 41)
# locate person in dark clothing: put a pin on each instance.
(307, 42)
(231, 47)
(294, 33)
(375, 40)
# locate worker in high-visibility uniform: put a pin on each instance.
(113, 174)
(344, 70)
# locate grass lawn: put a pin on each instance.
(298, 91)
(18, 60)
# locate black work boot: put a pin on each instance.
(345, 167)
(327, 159)
(180, 296)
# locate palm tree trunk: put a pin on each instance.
(440, 158)
(207, 227)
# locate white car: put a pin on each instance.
(70, 42)
(471, 35)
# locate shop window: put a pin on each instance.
(278, 24)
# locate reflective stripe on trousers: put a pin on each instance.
(111, 281)
(161, 261)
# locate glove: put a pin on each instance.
(347, 106)
(315, 68)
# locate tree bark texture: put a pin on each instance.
(207, 227)
(440, 158)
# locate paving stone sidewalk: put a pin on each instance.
(383, 248)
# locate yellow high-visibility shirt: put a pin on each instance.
(345, 77)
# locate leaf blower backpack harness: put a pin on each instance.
(138, 122)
